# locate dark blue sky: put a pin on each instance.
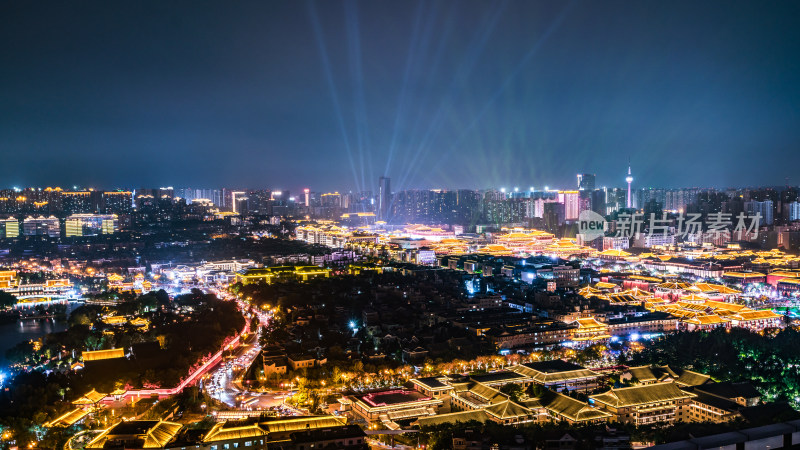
(331, 95)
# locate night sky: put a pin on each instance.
(449, 94)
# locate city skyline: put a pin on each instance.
(428, 94)
(300, 188)
(431, 224)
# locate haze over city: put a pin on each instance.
(399, 225)
(333, 95)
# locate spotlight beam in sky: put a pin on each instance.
(326, 66)
(357, 86)
(465, 68)
(502, 88)
(401, 99)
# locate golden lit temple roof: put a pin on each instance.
(68, 419)
(90, 398)
(615, 252)
(590, 323)
(302, 423)
(711, 288)
(693, 298)
(575, 410)
(707, 319)
(223, 431)
(642, 395)
(115, 320)
(744, 275)
(765, 314)
(156, 436)
(673, 286)
(98, 355)
(726, 306)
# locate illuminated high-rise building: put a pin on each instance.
(331, 200)
(77, 202)
(41, 226)
(117, 202)
(9, 228)
(384, 198)
(236, 196)
(763, 209)
(90, 224)
(629, 180)
(572, 205)
(586, 181)
(794, 211)
(599, 202)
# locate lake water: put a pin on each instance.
(13, 333)
(24, 330)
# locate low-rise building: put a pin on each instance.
(390, 405)
(647, 404)
(559, 375)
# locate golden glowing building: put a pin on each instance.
(272, 274)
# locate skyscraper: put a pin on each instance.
(384, 198)
(571, 201)
(586, 182)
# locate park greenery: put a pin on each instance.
(180, 334)
(769, 360)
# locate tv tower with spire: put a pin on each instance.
(629, 179)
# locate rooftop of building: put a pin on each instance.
(641, 395)
(391, 397)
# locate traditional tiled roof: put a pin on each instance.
(115, 320)
(103, 354)
(730, 390)
(707, 319)
(161, 434)
(507, 410)
(589, 291)
(223, 431)
(302, 423)
(90, 398)
(574, 410)
(500, 377)
(673, 286)
(691, 378)
(693, 298)
(463, 416)
(707, 288)
(590, 322)
(549, 372)
(622, 298)
(641, 395)
(154, 434)
(490, 394)
(756, 315)
(615, 253)
(431, 383)
(643, 373)
(692, 306)
(727, 306)
(744, 275)
(68, 419)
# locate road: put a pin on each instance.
(225, 382)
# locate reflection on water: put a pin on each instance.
(24, 330)
(12, 334)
